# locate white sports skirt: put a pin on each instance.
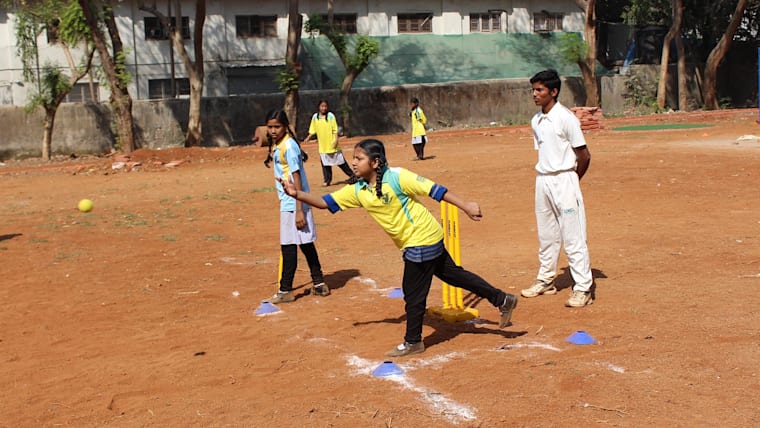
(290, 234)
(330, 159)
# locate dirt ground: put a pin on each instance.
(141, 312)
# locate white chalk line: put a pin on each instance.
(450, 409)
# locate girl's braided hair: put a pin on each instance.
(280, 116)
(375, 150)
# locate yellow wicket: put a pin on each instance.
(453, 308)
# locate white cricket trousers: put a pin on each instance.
(561, 219)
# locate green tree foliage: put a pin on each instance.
(63, 21)
(54, 86)
(647, 12)
(364, 50)
(573, 47)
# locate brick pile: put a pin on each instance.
(590, 118)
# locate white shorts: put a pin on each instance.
(290, 234)
(330, 159)
(419, 139)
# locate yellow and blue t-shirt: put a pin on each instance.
(418, 122)
(287, 160)
(326, 129)
(405, 219)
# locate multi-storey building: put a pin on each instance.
(245, 43)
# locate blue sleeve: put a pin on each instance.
(332, 206)
(293, 156)
(437, 192)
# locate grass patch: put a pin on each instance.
(263, 189)
(217, 196)
(169, 238)
(214, 237)
(662, 126)
(64, 255)
(130, 220)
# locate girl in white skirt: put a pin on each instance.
(325, 127)
(296, 218)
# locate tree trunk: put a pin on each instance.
(47, 138)
(194, 135)
(120, 98)
(673, 32)
(589, 71)
(345, 107)
(121, 101)
(589, 84)
(196, 73)
(683, 88)
(291, 61)
(193, 66)
(716, 57)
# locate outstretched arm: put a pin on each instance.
(313, 200)
(472, 209)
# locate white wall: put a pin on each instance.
(150, 59)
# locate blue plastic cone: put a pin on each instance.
(388, 368)
(580, 337)
(266, 308)
(396, 293)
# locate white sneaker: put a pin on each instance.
(281, 297)
(579, 299)
(538, 289)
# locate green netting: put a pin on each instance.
(427, 58)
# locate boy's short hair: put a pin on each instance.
(415, 100)
(550, 79)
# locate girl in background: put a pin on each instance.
(419, 137)
(325, 127)
(296, 219)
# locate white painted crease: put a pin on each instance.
(511, 346)
(450, 409)
(373, 284)
(614, 368)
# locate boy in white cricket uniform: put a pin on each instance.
(563, 159)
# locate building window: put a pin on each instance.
(415, 22)
(344, 22)
(247, 26)
(80, 93)
(162, 88)
(485, 22)
(545, 22)
(154, 30)
(252, 80)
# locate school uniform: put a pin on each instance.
(560, 213)
(418, 234)
(419, 136)
(418, 124)
(287, 158)
(326, 130)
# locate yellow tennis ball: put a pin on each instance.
(85, 205)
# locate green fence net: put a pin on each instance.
(428, 58)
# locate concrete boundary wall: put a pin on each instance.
(227, 121)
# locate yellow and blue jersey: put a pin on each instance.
(404, 218)
(418, 122)
(287, 160)
(326, 130)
